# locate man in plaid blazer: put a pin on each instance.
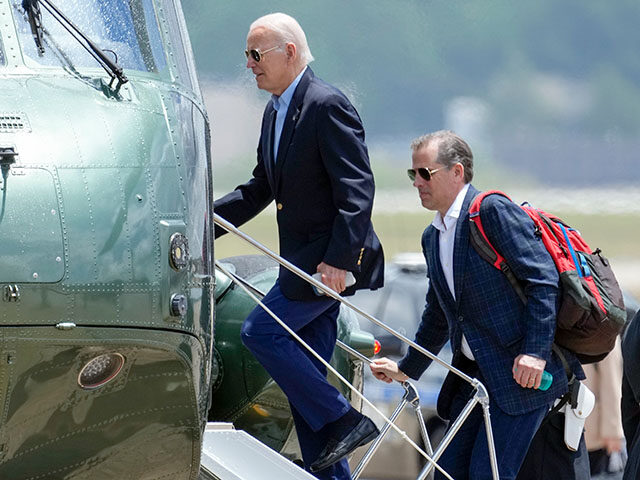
(494, 336)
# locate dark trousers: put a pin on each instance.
(314, 401)
(549, 458)
(599, 461)
(467, 457)
(631, 424)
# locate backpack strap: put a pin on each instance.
(556, 408)
(571, 377)
(487, 251)
(483, 246)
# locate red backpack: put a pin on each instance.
(592, 312)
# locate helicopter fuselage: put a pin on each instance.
(106, 321)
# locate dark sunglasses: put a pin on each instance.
(423, 172)
(257, 54)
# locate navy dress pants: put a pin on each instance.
(314, 401)
(467, 456)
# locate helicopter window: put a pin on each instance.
(177, 32)
(155, 48)
(2, 59)
(126, 29)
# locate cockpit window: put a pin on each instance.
(178, 39)
(126, 29)
(3, 61)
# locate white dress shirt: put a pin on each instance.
(447, 228)
(281, 105)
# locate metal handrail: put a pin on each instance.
(481, 395)
(329, 367)
(410, 397)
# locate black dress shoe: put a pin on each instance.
(362, 433)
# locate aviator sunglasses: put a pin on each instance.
(423, 172)
(257, 54)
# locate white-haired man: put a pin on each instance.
(312, 160)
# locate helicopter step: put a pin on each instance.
(230, 454)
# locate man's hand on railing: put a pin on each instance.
(387, 370)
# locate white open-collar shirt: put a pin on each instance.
(447, 234)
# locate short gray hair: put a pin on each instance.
(288, 30)
(451, 150)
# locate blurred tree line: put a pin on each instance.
(547, 71)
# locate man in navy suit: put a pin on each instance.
(312, 160)
(494, 336)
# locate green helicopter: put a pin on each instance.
(119, 340)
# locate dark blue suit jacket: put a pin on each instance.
(323, 186)
(631, 355)
(631, 396)
(495, 322)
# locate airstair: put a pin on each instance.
(230, 454)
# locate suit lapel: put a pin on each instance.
(267, 147)
(461, 245)
(293, 114)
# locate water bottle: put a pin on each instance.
(546, 381)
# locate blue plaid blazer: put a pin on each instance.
(495, 322)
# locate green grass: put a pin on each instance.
(616, 235)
